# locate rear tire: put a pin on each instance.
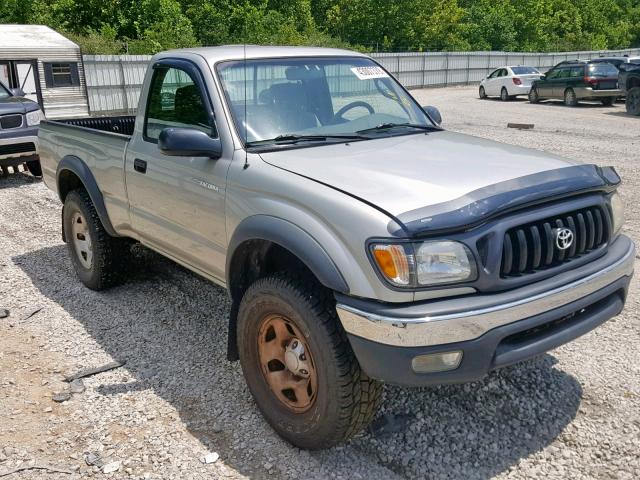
(345, 399)
(533, 95)
(482, 94)
(632, 103)
(34, 168)
(608, 101)
(570, 98)
(99, 259)
(504, 95)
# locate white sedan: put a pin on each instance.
(508, 82)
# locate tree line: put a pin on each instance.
(149, 26)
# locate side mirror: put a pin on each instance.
(434, 113)
(543, 77)
(188, 142)
(17, 92)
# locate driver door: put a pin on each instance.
(178, 203)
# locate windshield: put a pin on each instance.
(602, 70)
(309, 98)
(4, 92)
(524, 71)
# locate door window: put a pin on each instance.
(576, 72)
(175, 101)
(495, 73)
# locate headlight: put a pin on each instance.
(425, 263)
(617, 213)
(34, 118)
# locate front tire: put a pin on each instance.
(632, 103)
(570, 98)
(299, 365)
(482, 94)
(99, 259)
(34, 168)
(533, 95)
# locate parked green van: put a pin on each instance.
(576, 80)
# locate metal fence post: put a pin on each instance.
(446, 69)
(424, 70)
(124, 86)
(468, 64)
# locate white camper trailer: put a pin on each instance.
(46, 66)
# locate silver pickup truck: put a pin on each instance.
(360, 242)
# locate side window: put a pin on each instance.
(61, 75)
(551, 74)
(494, 74)
(175, 101)
(577, 72)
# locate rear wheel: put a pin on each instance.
(504, 95)
(299, 365)
(533, 95)
(99, 259)
(608, 101)
(632, 103)
(482, 94)
(570, 98)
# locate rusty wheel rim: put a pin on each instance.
(287, 363)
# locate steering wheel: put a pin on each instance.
(349, 106)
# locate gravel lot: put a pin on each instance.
(574, 413)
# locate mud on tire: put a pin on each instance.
(346, 399)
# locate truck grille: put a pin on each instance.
(534, 246)
(10, 121)
(16, 148)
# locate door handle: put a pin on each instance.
(140, 165)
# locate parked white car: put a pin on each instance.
(508, 82)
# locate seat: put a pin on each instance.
(290, 104)
(188, 106)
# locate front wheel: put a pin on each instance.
(34, 168)
(533, 95)
(570, 98)
(481, 93)
(299, 365)
(608, 101)
(632, 104)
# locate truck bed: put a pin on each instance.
(122, 125)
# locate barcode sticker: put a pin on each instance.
(366, 73)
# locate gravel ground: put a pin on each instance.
(573, 413)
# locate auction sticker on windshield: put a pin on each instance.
(365, 73)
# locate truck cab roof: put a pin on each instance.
(251, 52)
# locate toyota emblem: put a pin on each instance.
(564, 238)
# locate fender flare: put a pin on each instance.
(82, 171)
(292, 238)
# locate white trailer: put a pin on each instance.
(46, 66)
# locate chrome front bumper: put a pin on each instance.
(467, 319)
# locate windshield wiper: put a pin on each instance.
(290, 138)
(389, 126)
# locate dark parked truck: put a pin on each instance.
(629, 81)
(360, 242)
(19, 120)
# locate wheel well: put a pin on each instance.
(254, 259)
(68, 181)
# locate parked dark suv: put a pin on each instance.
(577, 80)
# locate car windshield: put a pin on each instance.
(299, 100)
(4, 92)
(524, 71)
(602, 70)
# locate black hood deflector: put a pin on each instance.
(485, 203)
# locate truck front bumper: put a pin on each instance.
(18, 146)
(491, 330)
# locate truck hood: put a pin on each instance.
(421, 179)
(400, 174)
(17, 105)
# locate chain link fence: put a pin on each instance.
(114, 81)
